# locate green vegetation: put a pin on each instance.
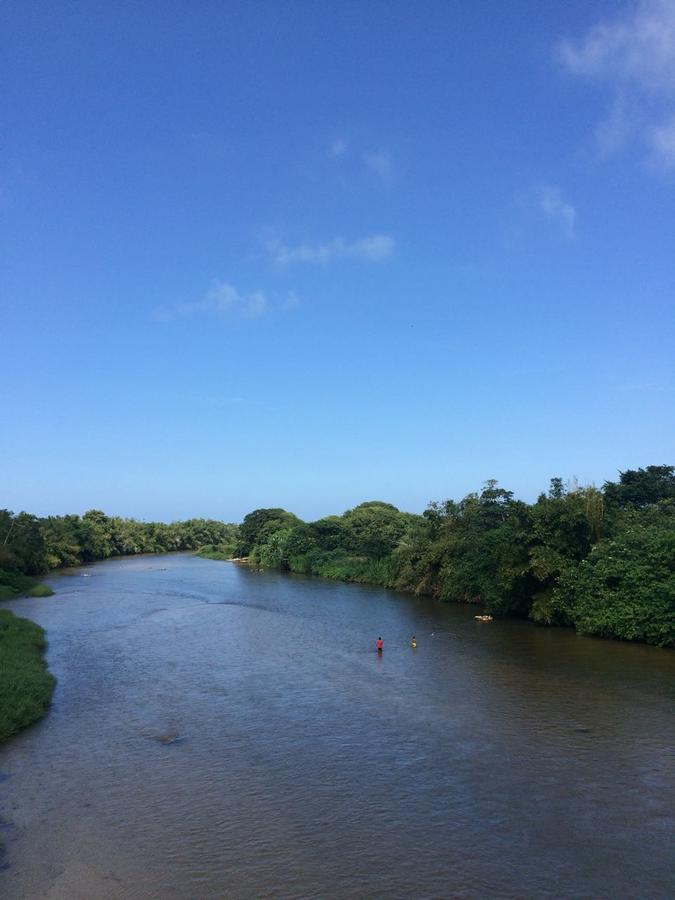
(32, 546)
(217, 551)
(599, 560)
(25, 685)
(602, 561)
(13, 584)
(40, 590)
(626, 586)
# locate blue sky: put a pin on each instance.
(305, 254)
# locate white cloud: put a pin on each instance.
(637, 49)
(662, 139)
(222, 299)
(616, 129)
(641, 385)
(381, 164)
(338, 148)
(292, 301)
(375, 162)
(635, 56)
(375, 248)
(553, 204)
(218, 402)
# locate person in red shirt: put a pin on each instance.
(379, 645)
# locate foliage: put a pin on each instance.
(25, 685)
(564, 528)
(373, 528)
(598, 560)
(546, 560)
(32, 546)
(39, 590)
(272, 552)
(21, 543)
(642, 487)
(217, 551)
(625, 588)
(15, 583)
(259, 525)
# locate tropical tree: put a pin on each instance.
(625, 588)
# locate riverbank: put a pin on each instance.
(224, 553)
(599, 561)
(640, 610)
(14, 584)
(26, 686)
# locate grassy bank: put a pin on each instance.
(25, 684)
(14, 584)
(217, 551)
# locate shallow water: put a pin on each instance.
(223, 733)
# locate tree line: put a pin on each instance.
(599, 560)
(32, 546)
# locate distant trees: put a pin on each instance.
(598, 560)
(602, 561)
(565, 525)
(21, 543)
(258, 526)
(33, 546)
(373, 528)
(642, 487)
(625, 587)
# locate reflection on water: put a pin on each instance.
(222, 733)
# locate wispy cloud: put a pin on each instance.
(644, 385)
(634, 55)
(375, 248)
(222, 300)
(338, 148)
(380, 163)
(552, 204)
(216, 401)
(291, 301)
(662, 138)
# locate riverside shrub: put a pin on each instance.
(25, 685)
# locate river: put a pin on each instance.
(218, 732)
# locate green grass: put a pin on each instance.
(217, 551)
(340, 565)
(13, 584)
(25, 684)
(16, 582)
(39, 590)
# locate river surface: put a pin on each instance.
(224, 733)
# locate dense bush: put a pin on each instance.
(32, 546)
(25, 685)
(625, 588)
(13, 583)
(598, 560)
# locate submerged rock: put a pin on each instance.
(167, 737)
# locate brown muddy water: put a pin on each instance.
(223, 733)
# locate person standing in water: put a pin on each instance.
(379, 645)
(413, 642)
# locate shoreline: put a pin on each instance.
(26, 685)
(485, 617)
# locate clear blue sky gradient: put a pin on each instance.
(306, 254)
